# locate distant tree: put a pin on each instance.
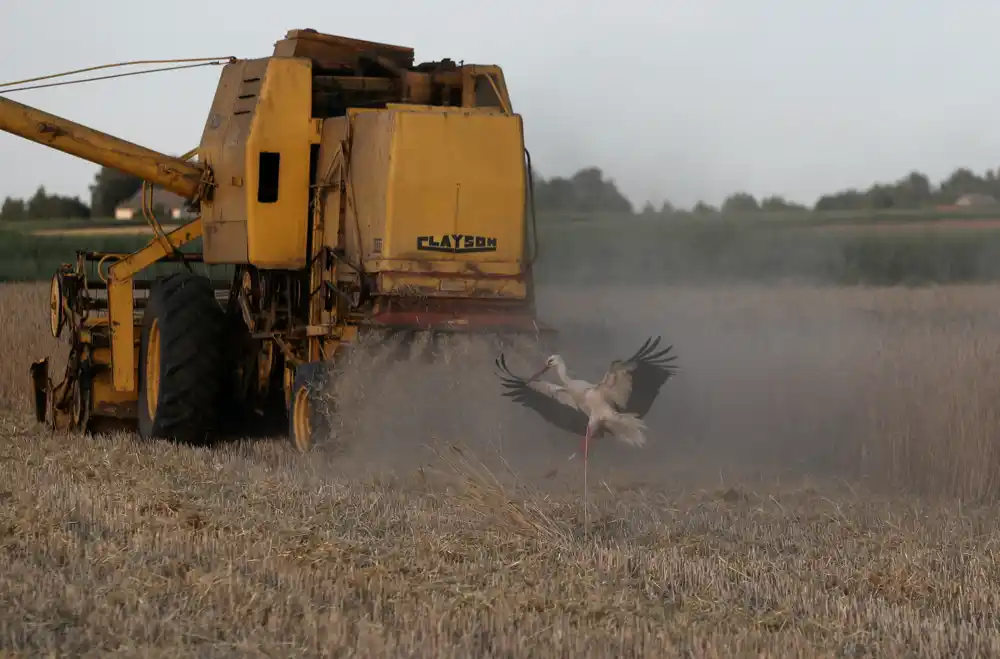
(962, 182)
(839, 201)
(701, 208)
(740, 202)
(43, 206)
(596, 194)
(71, 207)
(38, 206)
(110, 188)
(556, 194)
(13, 210)
(912, 191)
(776, 203)
(880, 197)
(587, 191)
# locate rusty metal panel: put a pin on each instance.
(406, 284)
(436, 200)
(456, 188)
(367, 184)
(262, 113)
(331, 168)
(223, 146)
(105, 400)
(227, 242)
(332, 52)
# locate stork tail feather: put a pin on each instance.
(627, 428)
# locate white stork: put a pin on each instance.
(617, 404)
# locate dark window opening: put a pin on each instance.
(268, 168)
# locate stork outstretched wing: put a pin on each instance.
(633, 384)
(552, 401)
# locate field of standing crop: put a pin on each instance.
(821, 480)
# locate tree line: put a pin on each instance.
(590, 191)
(110, 188)
(587, 191)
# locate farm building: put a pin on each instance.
(165, 204)
(975, 199)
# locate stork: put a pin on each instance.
(616, 404)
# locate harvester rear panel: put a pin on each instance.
(438, 198)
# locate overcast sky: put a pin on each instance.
(674, 99)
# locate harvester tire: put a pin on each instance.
(307, 421)
(181, 360)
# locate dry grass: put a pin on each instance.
(734, 534)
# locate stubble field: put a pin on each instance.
(821, 480)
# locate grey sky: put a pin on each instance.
(678, 99)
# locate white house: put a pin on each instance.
(976, 199)
(172, 206)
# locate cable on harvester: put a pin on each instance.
(186, 63)
(189, 63)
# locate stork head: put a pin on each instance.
(555, 361)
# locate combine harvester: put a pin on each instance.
(348, 189)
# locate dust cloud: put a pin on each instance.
(764, 389)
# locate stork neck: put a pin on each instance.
(561, 371)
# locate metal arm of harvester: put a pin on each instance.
(179, 176)
(189, 180)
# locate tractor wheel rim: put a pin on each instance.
(55, 306)
(301, 421)
(153, 369)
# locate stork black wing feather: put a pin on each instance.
(567, 417)
(650, 369)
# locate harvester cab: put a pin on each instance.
(345, 187)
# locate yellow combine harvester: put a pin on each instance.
(347, 187)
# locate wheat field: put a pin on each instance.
(820, 481)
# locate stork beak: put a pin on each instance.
(539, 373)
